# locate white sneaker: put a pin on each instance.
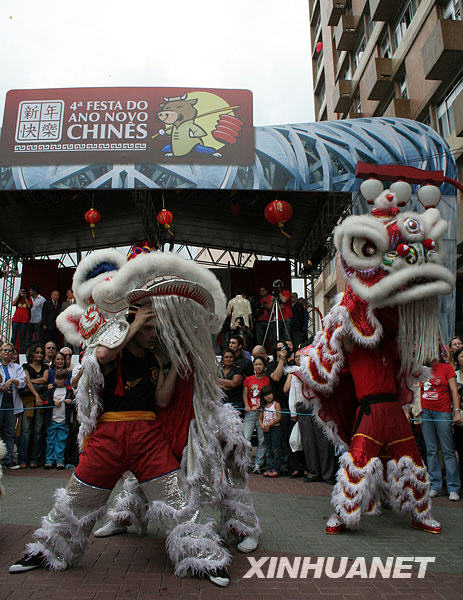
(433, 493)
(454, 497)
(110, 528)
(248, 544)
(219, 577)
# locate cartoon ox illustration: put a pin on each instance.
(186, 136)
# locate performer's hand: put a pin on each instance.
(457, 419)
(143, 314)
(247, 408)
(38, 401)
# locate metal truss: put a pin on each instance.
(9, 271)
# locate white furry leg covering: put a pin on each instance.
(239, 516)
(408, 487)
(64, 532)
(193, 544)
(130, 505)
(357, 489)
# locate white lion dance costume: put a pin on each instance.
(199, 487)
(373, 343)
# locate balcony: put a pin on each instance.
(383, 10)
(399, 107)
(457, 108)
(345, 33)
(443, 51)
(335, 9)
(342, 95)
(378, 79)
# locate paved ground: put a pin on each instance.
(292, 512)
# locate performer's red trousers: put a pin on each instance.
(386, 433)
(116, 447)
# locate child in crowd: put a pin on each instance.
(60, 397)
(251, 390)
(269, 421)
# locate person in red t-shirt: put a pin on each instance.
(251, 399)
(439, 395)
(20, 319)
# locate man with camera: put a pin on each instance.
(279, 305)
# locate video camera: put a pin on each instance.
(277, 288)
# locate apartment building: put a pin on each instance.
(390, 58)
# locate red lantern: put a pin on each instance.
(319, 47)
(278, 213)
(92, 217)
(165, 217)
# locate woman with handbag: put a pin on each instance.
(33, 418)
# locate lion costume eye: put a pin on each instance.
(363, 247)
(412, 225)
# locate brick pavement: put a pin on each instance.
(128, 567)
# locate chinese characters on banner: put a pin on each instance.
(127, 125)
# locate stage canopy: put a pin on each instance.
(312, 166)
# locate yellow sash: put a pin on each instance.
(127, 415)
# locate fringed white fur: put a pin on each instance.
(81, 285)
(361, 494)
(54, 539)
(68, 323)
(111, 294)
(196, 549)
(419, 334)
(403, 477)
(88, 400)
(130, 506)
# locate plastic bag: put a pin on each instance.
(295, 441)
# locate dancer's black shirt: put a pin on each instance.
(139, 377)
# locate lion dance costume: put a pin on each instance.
(357, 374)
(200, 495)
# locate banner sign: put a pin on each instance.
(127, 125)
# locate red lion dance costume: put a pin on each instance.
(357, 374)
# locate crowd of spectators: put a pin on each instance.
(34, 317)
(37, 410)
(259, 340)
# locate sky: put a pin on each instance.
(261, 45)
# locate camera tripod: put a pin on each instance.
(276, 314)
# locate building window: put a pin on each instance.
(345, 71)
(359, 48)
(450, 9)
(403, 86)
(331, 266)
(401, 25)
(385, 50)
(330, 299)
(444, 111)
(356, 103)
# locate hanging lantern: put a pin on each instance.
(165, 217)
(92, 217)
(278, 213)
(319, 47)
